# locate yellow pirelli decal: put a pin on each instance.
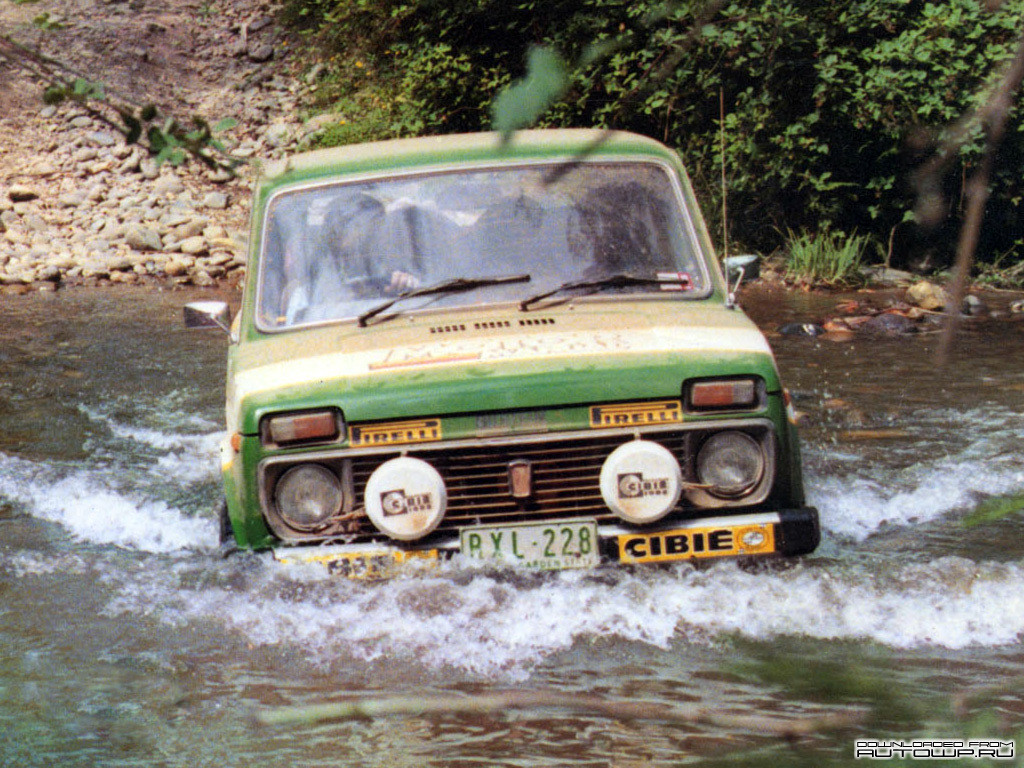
(395, 433)
(636, 414)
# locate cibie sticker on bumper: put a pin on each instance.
(688, 543)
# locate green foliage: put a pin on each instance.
(828, 106)
(825, 258)
(996, 508)
(47, 22)
(1004, 271)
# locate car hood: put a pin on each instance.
(491, 362)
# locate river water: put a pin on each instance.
(125, 640)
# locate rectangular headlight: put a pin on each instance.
(304, 427)
(722, 394)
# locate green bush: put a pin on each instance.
(827, 258)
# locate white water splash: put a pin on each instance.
(189, 458)
(856, 507)
(90, 509)
(93, 513)
(504, 626)
(856, 499)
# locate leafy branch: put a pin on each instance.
(991, 118)
(166, 138)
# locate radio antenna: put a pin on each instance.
(725, 206)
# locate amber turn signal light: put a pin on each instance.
(302, 427)
(723, 394)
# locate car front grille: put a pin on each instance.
(566, 477)
(566, 472)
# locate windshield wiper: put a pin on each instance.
(621, 280)
(455, 285)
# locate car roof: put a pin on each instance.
(455, 149)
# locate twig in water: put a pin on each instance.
(361, 709)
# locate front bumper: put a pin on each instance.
(782, 533)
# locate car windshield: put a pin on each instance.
(335, 251)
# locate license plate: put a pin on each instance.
(548, 546)
(697, 542)
(368, 565)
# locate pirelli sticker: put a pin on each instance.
(636, 414)
(689, 543)
(394, 433)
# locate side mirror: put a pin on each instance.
(746, 266)
(738, 267)
(201, 315)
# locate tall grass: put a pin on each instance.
(825, 258)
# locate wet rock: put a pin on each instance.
(49, 274)
(974, 306)
(890, 324)
(168, 185)
(801, 329)
(260, 53)
(72, 199)
(203, 280)
(175, 268)
(120, 264)
(278, 134)
(215, 200)
(148, 168)
(194, 246)
(103, 138)
(927, 295)
(191, 227)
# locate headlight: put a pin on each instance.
(406, 498)
(732, 463)
(308, 495)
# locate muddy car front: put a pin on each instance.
(517, 355)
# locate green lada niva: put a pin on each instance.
(519, 352)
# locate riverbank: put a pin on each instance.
(79, 205)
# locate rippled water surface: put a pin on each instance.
(125, 640)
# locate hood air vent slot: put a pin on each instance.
(493, 325)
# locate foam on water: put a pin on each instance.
(186, 457)
(503, 626)
(92, 512)
(860, 496)
(856, 507)
(91, 508)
